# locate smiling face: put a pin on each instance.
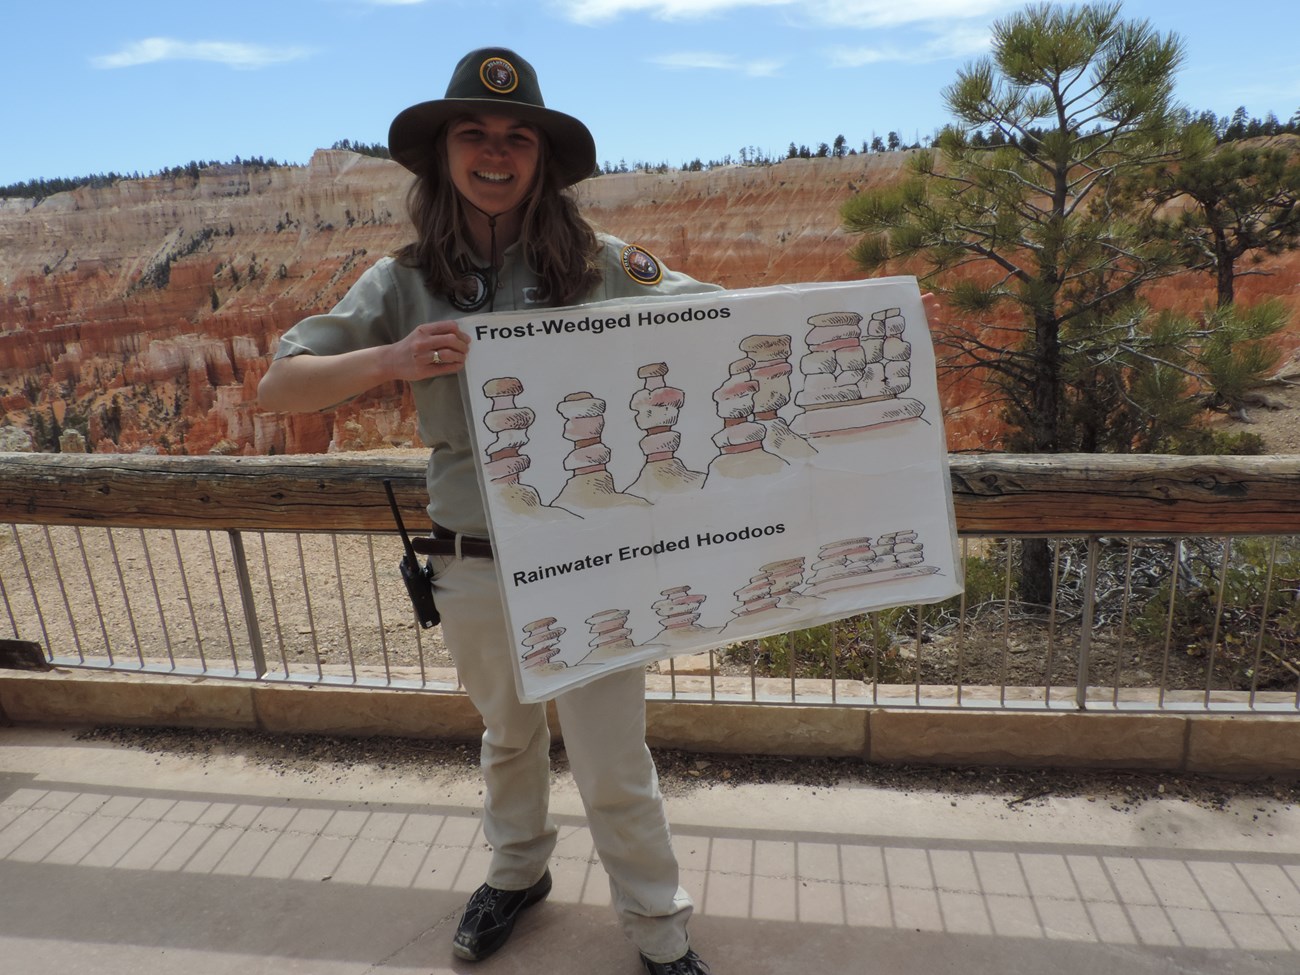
(493, 160)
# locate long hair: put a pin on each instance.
(558, 243)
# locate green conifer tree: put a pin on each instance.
(1245, 201)
(1030, 228)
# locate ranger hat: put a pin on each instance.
(493, 81)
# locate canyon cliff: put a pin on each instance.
(140, 316)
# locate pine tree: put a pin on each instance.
(1236, 128)
(1244, 200)
(1039, 210)
(1082, 98)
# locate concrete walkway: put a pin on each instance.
(115, 861)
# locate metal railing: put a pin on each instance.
(1175, 585)
(302, 607)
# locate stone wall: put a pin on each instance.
(1248, 745)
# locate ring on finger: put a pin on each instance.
(437, 357)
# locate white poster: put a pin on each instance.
(670, 475)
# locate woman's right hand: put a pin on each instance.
(429, 350)
(306, 383)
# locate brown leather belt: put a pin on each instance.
(443, 542)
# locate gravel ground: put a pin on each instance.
(1271, 414)
(322, 758)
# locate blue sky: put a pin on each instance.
(141, 85)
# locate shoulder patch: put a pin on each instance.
(641, 266)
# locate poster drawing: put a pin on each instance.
(670, 475)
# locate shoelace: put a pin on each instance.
(689, 964)
(486, 904)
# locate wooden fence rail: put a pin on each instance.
(994, 494)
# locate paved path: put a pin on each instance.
(114, 861)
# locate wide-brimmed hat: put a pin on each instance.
(493, 80)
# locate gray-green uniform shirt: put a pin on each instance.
(390, 299)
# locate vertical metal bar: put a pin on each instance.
(126, 598)
(875, 657)
(94, 597)
(835, 653)
(1218, 616)
(63, 591)
(157, 599)
(221, 600)
(1177, 556)
(1263, 623)
(1006, 627)
(189, 602)
(275, 608)
(246, 602)
(1123, 623)
(419, 652)
(961, 620)
(31, 587)
(916, 668)
(379, 608)
(791, 650)
(9, 610)
(1051, 621)
(307, 602)
(1296, 701)
(343, 603)
(1089, 610)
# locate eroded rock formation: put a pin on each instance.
(142, 315)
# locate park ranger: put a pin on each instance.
(498, 230)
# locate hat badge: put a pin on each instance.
(498, 75)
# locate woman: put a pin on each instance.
(497, 231)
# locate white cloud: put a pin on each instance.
(233, 55)
(957, 43)
(711, 61)
(891, 13)
(596, 11)
(839, 13)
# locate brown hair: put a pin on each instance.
(558, 243)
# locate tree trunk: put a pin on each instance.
(1035, 572)
(1044, 425)
(1225, 269)
(1035, 557)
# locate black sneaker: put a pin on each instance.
(490, 916)
(688, 964)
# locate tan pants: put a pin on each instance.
(603, 724)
